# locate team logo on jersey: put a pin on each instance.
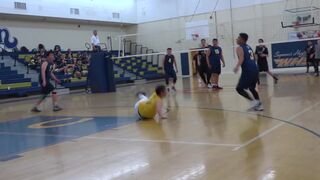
(6, 40)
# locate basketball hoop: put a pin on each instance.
(195, 36)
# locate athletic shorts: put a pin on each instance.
(170, 74)
(136, 106)
(216, 68)
(263, 65)
(248, 80)
(202, 69)
(47, 89)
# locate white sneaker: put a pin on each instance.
(210, 86)
(259, 107)
(253, 105)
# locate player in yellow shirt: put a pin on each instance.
(148, 108)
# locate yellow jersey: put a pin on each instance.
(148, 109)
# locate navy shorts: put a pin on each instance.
(47, 89)
(248, 80)
(216, 68)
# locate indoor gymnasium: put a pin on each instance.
(159, 89)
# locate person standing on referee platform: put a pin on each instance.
(202, 65)
(95, 41)
(310, 55)
(262, 54)
(317, 58)
(214, 59)
(170, 69)
(250, 73)
(45, 76)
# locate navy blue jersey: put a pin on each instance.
(168, 62)
(249, 64)
(215, 55)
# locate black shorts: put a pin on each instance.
(47, 89)
(248, 80)
(263, 65)
(202, 69)
(170, 74)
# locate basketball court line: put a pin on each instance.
(228, 110)
(275, 127)
(123, 139)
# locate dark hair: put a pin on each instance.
(244, 36)
(160, 89)
(47, 54)
(40, 46)
(261, 40)
(57, 47)
(215, 39)
(203, 39)
(169, 49)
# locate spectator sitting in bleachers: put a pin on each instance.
(41, 48)
(77, 68)
(24, 49)
(37, 59)
(69, 54)
(57, 52)
(61, 64)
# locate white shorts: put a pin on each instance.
(142, 98)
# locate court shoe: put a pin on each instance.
(57, 108)
(259, 107)
(141, 94)
(35, 109)
(253, 105)
(210, 86)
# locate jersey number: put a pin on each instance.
(251, 55)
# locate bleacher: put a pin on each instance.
(140, 67)
(12, 83)
(126, 71)
(70, 81)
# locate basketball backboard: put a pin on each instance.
(301, 17)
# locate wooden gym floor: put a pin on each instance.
(209, 135)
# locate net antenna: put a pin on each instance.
(298, 15)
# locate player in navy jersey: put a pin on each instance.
(250, 72)
(170, 69)
(214, 59)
